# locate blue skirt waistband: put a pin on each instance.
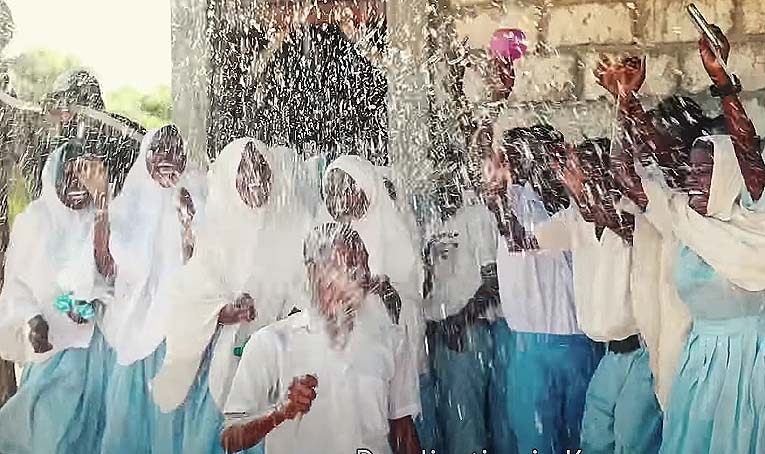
(729, 327)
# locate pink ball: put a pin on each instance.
(509, 43)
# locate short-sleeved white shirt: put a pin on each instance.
(360, 388)
(602, 270)
(536, 286)
(456, 279)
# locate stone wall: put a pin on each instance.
(566, 36)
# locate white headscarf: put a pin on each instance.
(383, 229)
(50, 253)
(388, 239)
(239, 250)
(730, 238)
(147, 249)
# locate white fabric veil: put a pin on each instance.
(239, 250)
(388, 239)
(146, 245)
(730, 238)
(383, 230)
(50, 253)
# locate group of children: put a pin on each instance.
(606, 297)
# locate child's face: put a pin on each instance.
(254, 178)
(345, 200)
(166, 161)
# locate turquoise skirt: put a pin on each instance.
(717, 403)
(134, 423)
(621, 413)
(203, 420)
(59, 409)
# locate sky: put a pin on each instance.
(125, 42)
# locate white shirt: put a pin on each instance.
(602, 270)
(456, 278)
(535, 286)
(360, 388)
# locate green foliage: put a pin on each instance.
(149, 109)
(34, 72)
(18, 196)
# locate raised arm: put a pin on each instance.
(623, 79)
(92, 174)
(739, 125)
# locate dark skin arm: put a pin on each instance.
(516, 236)
(186, 213)
(739, 125)
(453, 327)
(403, 436)
(301, 395)
(92, 173)
(38, 334)
(623, 79)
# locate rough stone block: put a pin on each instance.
(694, 77)
(754, 16)
(545, 78)
(589, 23)
(575, 120)
(662, 74)
(746, 61)
(668, 20)
(479, 28)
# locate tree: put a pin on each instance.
(151, 110)
(34, 72)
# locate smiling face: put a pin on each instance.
(340, 281)
(254, 178)
(166, 158)
(345, 200)
(70, 190)
(698, 181)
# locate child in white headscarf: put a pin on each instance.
(56, 264)
(151, 239)
(355, 193)
(716, 402)
(246, 273)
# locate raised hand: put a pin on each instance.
(38, 335)
(300, 396)
(242, 311)
(622, 77)
(92, 174)
(711, 64)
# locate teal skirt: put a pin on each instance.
(134, 423)
(717, 403)
(203, 420)
(59, 408)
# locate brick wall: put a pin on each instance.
(556, 82)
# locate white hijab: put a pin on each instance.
(146, 245)
(383, 229)
(730, 238)
(239, 250)
(388, 239)
(50, 253)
